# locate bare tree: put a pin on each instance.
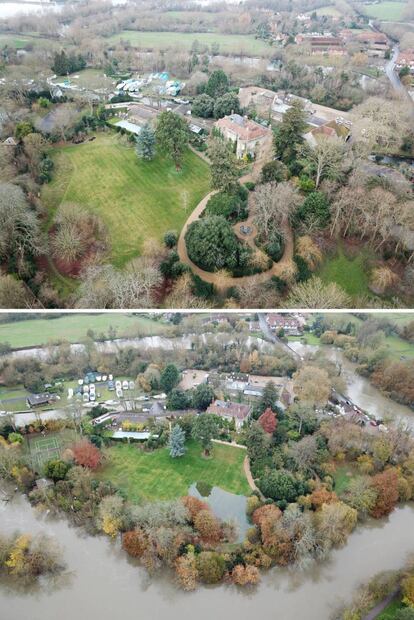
(326, 159)
(316, 294)
(273, 205)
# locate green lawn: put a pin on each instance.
(391, 609)
(308, 337)
(73, 328)
(387, 11)
(228, 43)
(155, 475)
(399, 347)
(342, 477)
(135, 199)
(349, 273)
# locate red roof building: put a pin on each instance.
(230, 411)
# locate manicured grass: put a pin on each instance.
(155, 475)
(73, 328)
(349, 273)
(387, 11)
(136, 200)
(308, 337)
(228, 43)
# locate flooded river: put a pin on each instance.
(102, 584)
(358, 388)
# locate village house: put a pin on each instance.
(405, 59)
(374, 43)
(321, 43)
(231, 411)
(250, 137)
(291, 325)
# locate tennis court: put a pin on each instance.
(43, 448)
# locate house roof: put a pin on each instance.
(38, 399)
(243, 127)
(229, 409)
(131, 435)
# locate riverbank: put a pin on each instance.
(94, 561)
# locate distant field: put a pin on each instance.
(228, 43)
(73, 328)
(22, 41)
(329, 11)
(386, 11)
(135, 199)
(155, 475)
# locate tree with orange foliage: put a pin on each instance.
(86, 454)
(194, 505)
(268, 421)
(135, 543)
(186, 571)
(208, 526)
(245, 575)
(386, 485)
(266, 518)
(320, 496)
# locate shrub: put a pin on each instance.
(303, 272)
(274, 171)
(56, 469)
(170, 238)
(245, 575)
(279, 284)
(232, 206)
(275, 246)
(314, 210)
(201, 288)
(210, 566)
(135, 543)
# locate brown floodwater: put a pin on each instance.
(358, 388)
(102, 584)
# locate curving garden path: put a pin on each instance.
(224, 282)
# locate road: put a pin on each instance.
(269, 335)
(393, 77)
